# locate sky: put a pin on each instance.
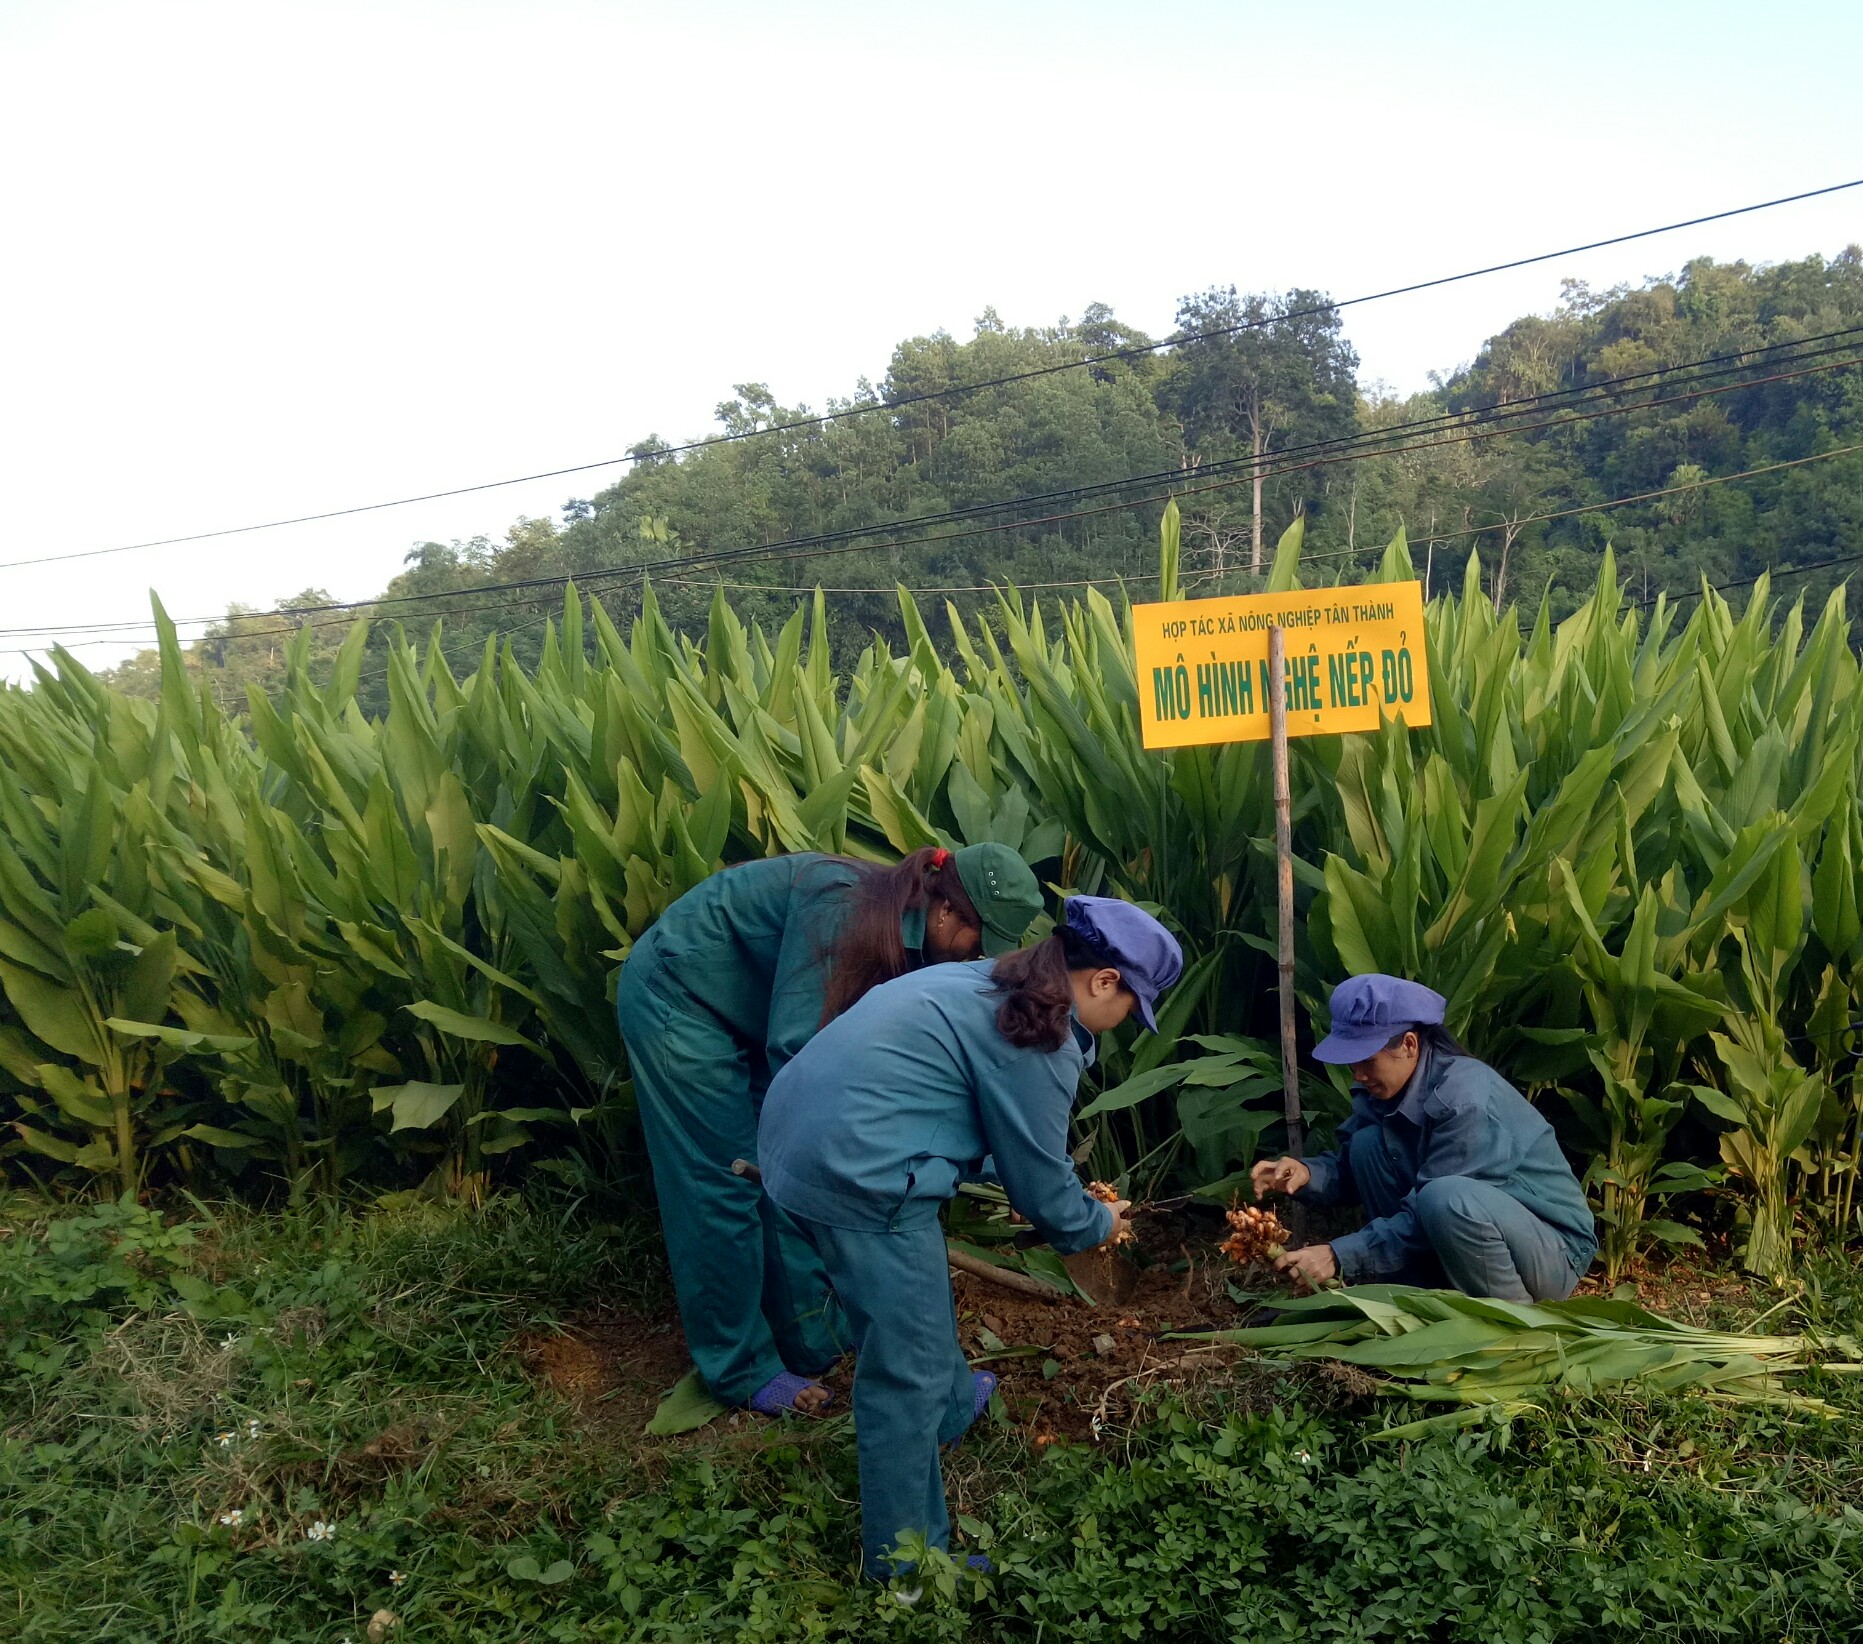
(265, 259)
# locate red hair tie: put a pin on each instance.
(940, 858)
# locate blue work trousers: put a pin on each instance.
(1483, 1241)
(753, 1296)
(913, 1390)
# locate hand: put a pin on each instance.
(1122, 1223)
(1279, 1176)
(1311, 1266)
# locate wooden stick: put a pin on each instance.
(1021, 1283)
(1284, 864)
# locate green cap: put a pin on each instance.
(1007, 896)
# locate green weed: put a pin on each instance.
(233, 1426)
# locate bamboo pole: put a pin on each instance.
(1284, 865)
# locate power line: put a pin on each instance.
(813, 546)
(810, 547)
(953, 392)
(501, 633)
(1309, 559)
(826, 543)
(1770, 571)
(1348, 553)
(877, 588)
(1524, 406)
(1651, 496)
(1435, 537)
(1371, 441)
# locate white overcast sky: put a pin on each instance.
(261, 259)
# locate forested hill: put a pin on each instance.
(1081, 457)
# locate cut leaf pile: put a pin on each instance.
(1441, 1347)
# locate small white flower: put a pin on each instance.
(228, 1343)
(225, 1440)
(233, 1518)
(320, 1531)
(252, 1427)
(1304, 1457)
(395, 1578)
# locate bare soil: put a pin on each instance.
(613, 1366)
(1068, 1371)
(1065, 1368)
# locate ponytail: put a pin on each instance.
(1038, 997)
(870, 949)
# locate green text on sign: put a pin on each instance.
(1354, 656)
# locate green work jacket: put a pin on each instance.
(752, 946)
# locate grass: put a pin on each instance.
(376, 1375)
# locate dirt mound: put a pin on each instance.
(1068, 1368)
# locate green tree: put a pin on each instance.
(1279, 375)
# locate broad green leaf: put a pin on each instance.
(215, 1136)
(1669, 1232)
(79, 1098)
(52, 1147)
(417, 1105)
(53, 1014)
(1133, 1091)
(461, 1026)
(92, 935)
(181, 1038)
(687, 1406)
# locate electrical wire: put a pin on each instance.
(1352, 553)
(1308, 559)
(1651, 496)
(953, 392)
(1514, 408)
(1275, 462)
(819, 545)
(1747, 582)
(811, 547)
(824, 544)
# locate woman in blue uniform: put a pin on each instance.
(868, 1130)
(729, 983)
(1462, 1181)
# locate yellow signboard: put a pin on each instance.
(1352, 655)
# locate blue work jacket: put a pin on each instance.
(875, 1121)
(1456, 1117)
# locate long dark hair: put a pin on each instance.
(869, 949)
(1037, 996)
(1434, 1037)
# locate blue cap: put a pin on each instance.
(1145, 954)
(1370, 1011)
